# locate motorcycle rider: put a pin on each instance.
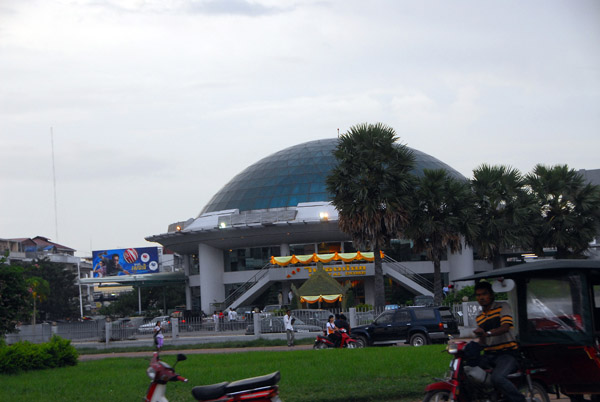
(500, 347)
(341, 323)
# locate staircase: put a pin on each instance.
(261, 281)
(249, 288)
(410, 279)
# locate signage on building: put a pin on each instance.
(125, 261)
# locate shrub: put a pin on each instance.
(364, 307)
(25, 356)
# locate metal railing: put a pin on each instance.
(413, 276)
(238, 292)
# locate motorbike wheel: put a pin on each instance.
(320, 345)
(539, 393)
(437, 396)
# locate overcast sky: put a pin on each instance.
(156, 104)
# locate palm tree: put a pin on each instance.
(370, 188)
(39, 289)
(441, 217)
(570, 210)
(505, 210)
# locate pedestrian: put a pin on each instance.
(232, 314)
(221, 321)
(288, 322)
(216, 320)
(158, 336)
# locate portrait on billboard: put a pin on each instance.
(129, 261)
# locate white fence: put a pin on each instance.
(102, 331)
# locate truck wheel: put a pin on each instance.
(418, 339)
(361, 342)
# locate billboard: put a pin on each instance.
(125, 261)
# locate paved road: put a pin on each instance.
(194, 351)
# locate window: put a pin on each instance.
(402, 316)
(554, 304)
(424, 313)
(386, 317)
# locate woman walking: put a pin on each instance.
(158, 336)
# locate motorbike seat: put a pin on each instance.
(208, 392)
(254, 382)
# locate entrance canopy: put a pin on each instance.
(308, 258)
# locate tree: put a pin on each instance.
(14, 298)
(62, 301)
(440, 218)
(370, 188)
(506, 212)
(39, 289)
(570, 210)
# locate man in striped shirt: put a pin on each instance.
(494, 329)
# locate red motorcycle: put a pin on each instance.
(346, 341)
(257, 389)
(161, 373)
(471, 384)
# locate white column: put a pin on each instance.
(284, 249)
(370, 290)
(212, 266)
(461, 265)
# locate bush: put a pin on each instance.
(26, 356)
(363, 307)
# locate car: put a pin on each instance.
(413, 325)
(271, 308)
(313, 316)
(423, 300)
(275, 324)
(165, 323)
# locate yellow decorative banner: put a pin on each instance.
(308, 258)
(326, 298)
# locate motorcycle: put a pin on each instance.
(470, 384)
(323, 342)
(161, 373)
(256, 389)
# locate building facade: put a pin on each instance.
(279, 206)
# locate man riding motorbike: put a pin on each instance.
(500, 347)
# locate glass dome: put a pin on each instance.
(293, 175)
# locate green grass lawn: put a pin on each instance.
(370, 374)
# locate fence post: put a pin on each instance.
(108, 330)
(257, 321)
(465, 311)
(353, 320)
(175, 327)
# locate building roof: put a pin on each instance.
(291, 176)
(41, 243)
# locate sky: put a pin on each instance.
(138, 111)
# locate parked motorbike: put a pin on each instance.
(256, 389)
(471, 384)
(323, 342)
(161, 373)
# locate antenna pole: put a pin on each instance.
(54, 181)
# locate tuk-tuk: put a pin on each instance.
(556, 304)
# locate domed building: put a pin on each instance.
(279, 206)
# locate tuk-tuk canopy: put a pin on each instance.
(558, 301)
